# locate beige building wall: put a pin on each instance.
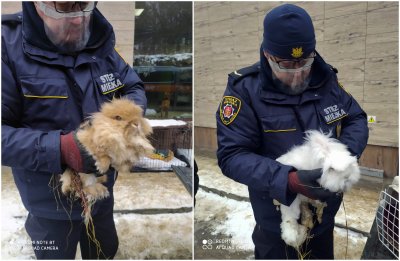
(358, 38)
(122, 18)
(119, 14)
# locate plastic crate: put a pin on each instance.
(173, 147)
(172, 137)
(387, 220)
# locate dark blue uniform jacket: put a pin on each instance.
(256, 124)
(44, 94)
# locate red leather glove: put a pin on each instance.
(305, 182)
(74, 155)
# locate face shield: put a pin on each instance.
(67, 24)
(291, 76)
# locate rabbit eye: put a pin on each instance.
(118, 118)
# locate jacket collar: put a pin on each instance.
(38, 47)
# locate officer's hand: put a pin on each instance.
(305, 182)
(74, 155)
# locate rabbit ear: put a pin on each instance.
(145, 127)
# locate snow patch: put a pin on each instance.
(164, 236)
(167, 236)
(150, 190)
(353, 236)
(166, 123)
(230, 217)
(159, 58)
(213, 178)
(15, 242)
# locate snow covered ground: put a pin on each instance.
(229, 217)
(162, 236)
(216, 180)
(14, 239)
(158, 236)
(218, 218)
(362, 198)
(150, 190)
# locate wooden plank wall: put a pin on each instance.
(358, 38)
(205, 138)
(381, 157)
(119, 14)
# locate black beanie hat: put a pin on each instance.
(288, 32)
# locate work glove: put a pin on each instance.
(305, 183)
(74, 155)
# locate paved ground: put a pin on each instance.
(225, 220)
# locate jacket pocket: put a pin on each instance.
(43, 88)
(278, 124)
(279, 132)
(45, 103)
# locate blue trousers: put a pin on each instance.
(58, 239)
(269, 245)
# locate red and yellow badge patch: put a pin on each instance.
(229, 109)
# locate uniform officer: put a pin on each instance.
(58, 66)
(265, 111)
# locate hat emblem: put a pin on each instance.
(297, 52)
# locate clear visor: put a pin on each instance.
(51, 12)
(305, 65)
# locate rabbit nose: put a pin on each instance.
(135, 126)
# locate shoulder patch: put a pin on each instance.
(239, 74)
(229, 109)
